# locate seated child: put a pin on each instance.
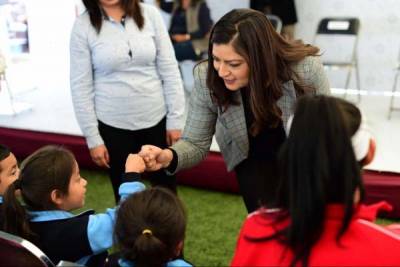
(319, 220)
(364, 147)
(51, 187)
(150, 230)
(8, 174)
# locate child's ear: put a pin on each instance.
(357, 196)
(371, 153)
(179, 249)
(57, 197)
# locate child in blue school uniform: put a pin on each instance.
(150, 230)
(51, 187)
(8, 174)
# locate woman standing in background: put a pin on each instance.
(284, 9)
(125, 83)
(189, 29)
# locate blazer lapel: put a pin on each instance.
(235, 122)
(286, 102)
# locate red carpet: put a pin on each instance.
(210, 174)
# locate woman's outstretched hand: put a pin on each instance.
(155, 158)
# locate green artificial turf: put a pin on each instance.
(214, 219)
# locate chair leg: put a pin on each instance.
(391, 106)
(346, 86)
(358, 82)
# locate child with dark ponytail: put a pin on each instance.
(8, 174)
(51, 187)
(319, 218)
(150, 230)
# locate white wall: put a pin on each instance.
(4, 41)
(219, 8)
(50, 23)
(379, 41)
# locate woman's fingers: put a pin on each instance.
(100, 156)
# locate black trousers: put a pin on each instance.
(258, 182)
(184, 51)
(120, 143)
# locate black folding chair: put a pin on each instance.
(338, 40)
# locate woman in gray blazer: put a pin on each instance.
(244, 94)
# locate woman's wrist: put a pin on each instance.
(168, 156)
(173, 164)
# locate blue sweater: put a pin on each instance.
(174, 263)
(64, 236)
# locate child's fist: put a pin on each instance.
(134, 163)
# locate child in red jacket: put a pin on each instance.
(319, 221)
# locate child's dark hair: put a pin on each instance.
(47, 169)
(149, 226)
(318, 167)
(352, 115)
(4, 152)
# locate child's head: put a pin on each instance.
(49, 180)
(362, 139)
(8, 168)
(318, 158)
(318, 167)
(150, 227)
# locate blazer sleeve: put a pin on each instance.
(200, 123)
(311, 70)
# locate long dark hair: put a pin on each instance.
(130, 7)
(270, 58)
(149, 227)
(318, 167)
(46, 169)
(4, 153)
(352, 115)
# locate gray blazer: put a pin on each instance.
(204, 118)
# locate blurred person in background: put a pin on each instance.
(189, 29)
(284, 9)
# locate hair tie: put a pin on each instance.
(147, 232)
(17, 184)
